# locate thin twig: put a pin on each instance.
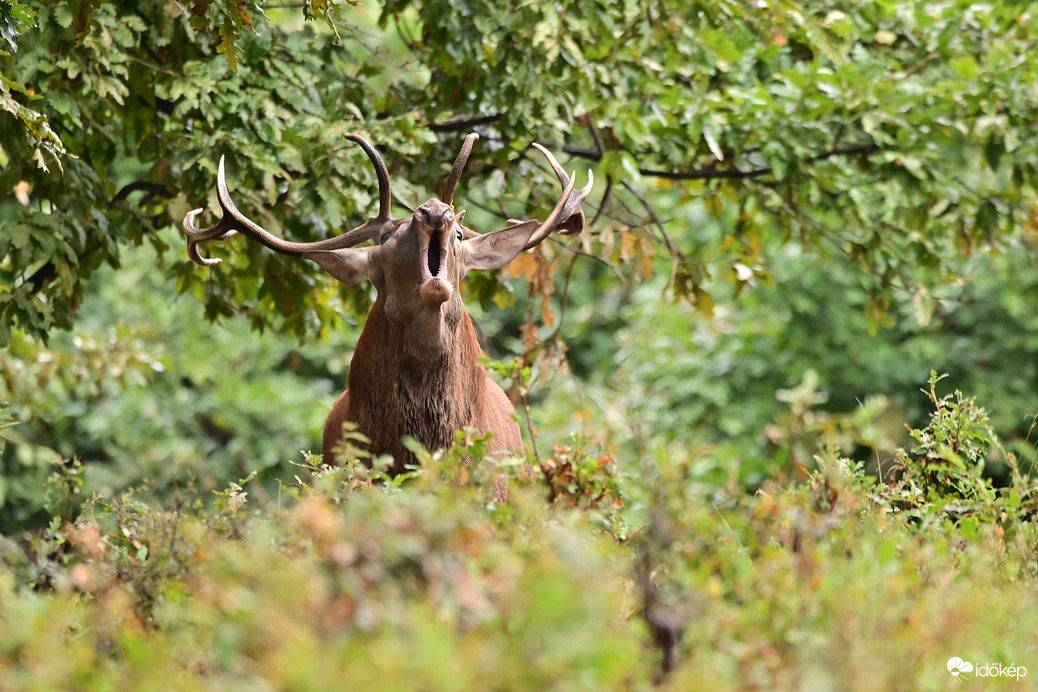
(712, 172)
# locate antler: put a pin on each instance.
(459, 165)
(568, 214)
(234, 221)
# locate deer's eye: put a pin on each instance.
(459, 234)
(385, 237)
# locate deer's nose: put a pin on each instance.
(435, 216)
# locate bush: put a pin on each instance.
(573, 572)
(346, 578)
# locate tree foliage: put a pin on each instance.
(866, 162)
(893, 134)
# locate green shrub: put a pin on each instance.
(572, 572)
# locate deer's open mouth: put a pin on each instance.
(436, 288)
(434, 257)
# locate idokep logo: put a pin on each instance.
(958, 668)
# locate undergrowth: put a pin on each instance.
(571, 571)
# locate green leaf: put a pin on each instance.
(964, 67)
(227, 46)
(63, 15)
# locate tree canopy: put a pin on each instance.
(896, 135)
(838, 194)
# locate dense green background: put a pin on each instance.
(800, 211)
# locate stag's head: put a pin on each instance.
(417, 262)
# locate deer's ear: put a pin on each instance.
(348, 265)
(495, 250)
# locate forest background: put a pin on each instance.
(812, 230)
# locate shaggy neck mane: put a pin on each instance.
(426, 390)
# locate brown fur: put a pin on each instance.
(395, 392)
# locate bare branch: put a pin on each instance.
(463, 124)
(712, 172)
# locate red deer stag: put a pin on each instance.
(416, 369)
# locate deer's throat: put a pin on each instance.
(410, 379)
(423, 337)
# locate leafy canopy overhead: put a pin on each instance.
(898, 135)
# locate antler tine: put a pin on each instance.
(560, 172)
(459, 165)
(219, 231)
(233, 221)
(385, 193)
(226, 227)
(569, 206)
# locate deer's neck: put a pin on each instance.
(420, 378)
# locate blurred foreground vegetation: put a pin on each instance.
(563, 574)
